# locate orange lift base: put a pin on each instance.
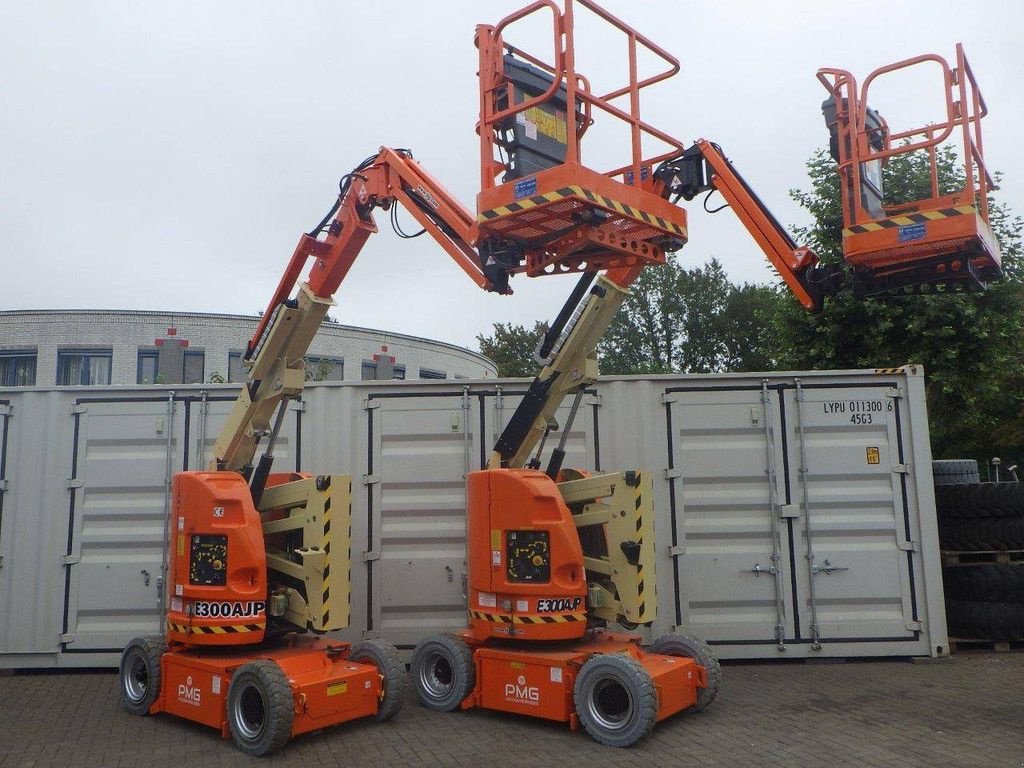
(544, 212)
(537, 679)
(940, 245)
(327, 688)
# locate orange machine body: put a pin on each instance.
(217, 579)
(327, 687)
(537, 679)
(526, 575)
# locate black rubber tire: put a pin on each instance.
(992, 534)
(955, 471)
(979, 500)
(384, 657)
(615, 699)
(985, 621)
(260, 708)
(989, 583)
(140, 673)
(698, 650)
(443, 672)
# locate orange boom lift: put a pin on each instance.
(557, 556)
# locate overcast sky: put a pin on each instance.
(167, 156)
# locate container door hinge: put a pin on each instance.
(74, 482)
(901, 469)
(673, 472)
(371, 479)
(895, 394)
(5, 485)
(371, 555)
(906, 546)
(67, 637)
(6, 410)
(676, 550)
(669, 397)
(789, 511)
(369, 404)
(913, 626)
(79, 408)
(70, 559)
(298, 405)
(594, 399)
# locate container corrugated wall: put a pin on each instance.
(794, 512)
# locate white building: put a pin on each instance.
(87, 346)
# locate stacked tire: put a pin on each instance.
(981, 533)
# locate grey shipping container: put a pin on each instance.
(794, 511)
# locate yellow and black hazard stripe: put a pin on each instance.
(187, 629)
(575, 191)
(506, 618)
(910, 218)
(324, 485)
(642, 606)
(889, 370)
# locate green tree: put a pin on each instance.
(969, 343)
(688, 320)
(511, 347)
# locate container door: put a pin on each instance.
(5, 538)
(421, 447)
(731, 537)
(124, 454)
(856, 578)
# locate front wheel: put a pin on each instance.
(698, 650)
(443, 672)
(384, 657)
(140, 673)
(260, 708)
(615, 698)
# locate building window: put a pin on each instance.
(192, 362)
(370, 372)
(17, 368)
(89, 367)
(320, 368)
(430, 373)
(236, 371)
(195, 367)
(148, 366)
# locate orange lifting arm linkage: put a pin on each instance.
(393, 175)
(703, 167)
(275, 354)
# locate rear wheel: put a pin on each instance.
(140, 673)
(443, 672)
(615, 699)
(260, 708)
(384, 657)
(700, 652)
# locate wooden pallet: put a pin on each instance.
(958, 645)
(976, 558)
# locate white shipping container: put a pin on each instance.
(794, 512)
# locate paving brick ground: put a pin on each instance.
(965, 711)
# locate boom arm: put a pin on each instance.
(704, 167)
(275, 353)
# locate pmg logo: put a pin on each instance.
(189, 694)
(521, 693)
